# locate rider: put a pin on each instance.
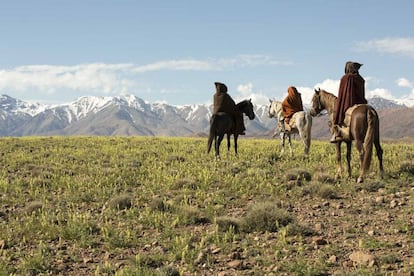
(224, 103)
(290, 105)
(351, 91)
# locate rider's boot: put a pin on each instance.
(282, 125)
(336, 135)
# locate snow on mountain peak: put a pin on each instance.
(82, 106)
(86, 104)
(13, 105)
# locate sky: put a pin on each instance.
(173, 51)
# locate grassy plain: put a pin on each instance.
(162, 206)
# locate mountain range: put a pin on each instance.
(129, 115)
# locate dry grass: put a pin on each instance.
(162, 206)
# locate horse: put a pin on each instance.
(363, 128)
(222, 123)
(301, 123)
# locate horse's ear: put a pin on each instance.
(270, 100)
(318, 90)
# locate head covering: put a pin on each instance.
(292, 103)
(292, 91)
(352, 67)
(220, 87)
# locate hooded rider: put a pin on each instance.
(222, 102)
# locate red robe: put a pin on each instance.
(292, 103)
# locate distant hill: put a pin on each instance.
(130, 115)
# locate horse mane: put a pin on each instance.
(328, 95)
(242, 103)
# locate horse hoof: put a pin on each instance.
(360, 180)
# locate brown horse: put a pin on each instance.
(363, 128)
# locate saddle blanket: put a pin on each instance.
(291, 124)
(348, 114)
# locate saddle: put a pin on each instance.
(348, 114)
(344, 128)
(291, 124)
(288, 126)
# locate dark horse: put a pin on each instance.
(363, 128)
(222, 123)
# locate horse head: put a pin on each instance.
(246, 107)
(316, 104)
(275, 108)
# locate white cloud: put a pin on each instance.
(329, 85)
(211, 64)
(402, 46)
(48, 78)
(187, 64)
(379, 92)
(245, 91)
(104, 78)
(402, 82)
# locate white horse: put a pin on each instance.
(300, 123)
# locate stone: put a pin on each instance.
(362, 258)
(234, 264)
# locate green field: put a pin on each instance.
(162, 206)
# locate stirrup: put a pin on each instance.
(335, 138)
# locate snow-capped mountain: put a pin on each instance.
(130, 115)
(9, 105)
(381, 103)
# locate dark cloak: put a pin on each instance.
(351, 91)
(222, 102)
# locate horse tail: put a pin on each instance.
(308, 126)
(372, 122)
(307, 130)
(212, 133)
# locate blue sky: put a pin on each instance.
(173, 51)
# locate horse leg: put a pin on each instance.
(361, 151)
(348, 158)
(228, 142)
(379, 151)
(215, 145)
(290, 145)
(306, 141)
(235, 142)
(371, 136)
(219, 139)
(378, 148)
(282, 138)
(338, 161)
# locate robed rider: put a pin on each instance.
(222, 102)
(290, 105)
(351, 91)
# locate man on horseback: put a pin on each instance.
(290, 105)
(351, 92)
(222, 102)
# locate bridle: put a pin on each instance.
(319, 104)
(273, 109)
(247, 108)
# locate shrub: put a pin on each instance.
(266, 217)
(225, 223)
(298, 174)
(120, 202)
